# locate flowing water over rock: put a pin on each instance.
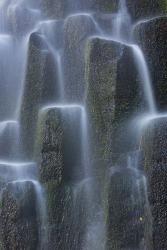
(79, 120)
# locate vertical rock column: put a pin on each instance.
(154, 148)
(77, 29)
(40, 89)
(59, 157)
(113, 95)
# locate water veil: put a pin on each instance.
(71, 169)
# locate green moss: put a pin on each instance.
(164, 6)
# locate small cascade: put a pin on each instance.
(122, 23)
(145, 78)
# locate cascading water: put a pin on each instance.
(71, 124)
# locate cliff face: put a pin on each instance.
(96, 162)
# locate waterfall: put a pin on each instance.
(47, 148)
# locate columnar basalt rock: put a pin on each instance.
(40, 88)
(77, 29)
(154, 148)
(113, 97)
(58, 138)
(101, 73)
(151, 36)
(19, 217)
(110, 103)
(58, 150)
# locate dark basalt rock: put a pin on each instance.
(154, 148)
(140, 9)
(126, 216)
(77, 29)
(40, 88)
(151, 36)
(113, 97)
(59, 145)
(59, 156)
(19, 220)
(101, 73)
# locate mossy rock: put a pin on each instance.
(40, 89)
(59, 144)
(19, 219)
(126, 215)
(154, 148)
(152, 36)
(77, 29)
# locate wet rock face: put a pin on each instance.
(155, 157)
(19, 223)
(41, 69)
(126, 210)
(54, 9)
(52, 29)
(59, 156)
(77, 29)
(67, 217)
(113, 96)
(101, 70)
(59, 145)
(146, 8)
(129, 102)
(49, 143)
(107, 6)
(152, 36)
